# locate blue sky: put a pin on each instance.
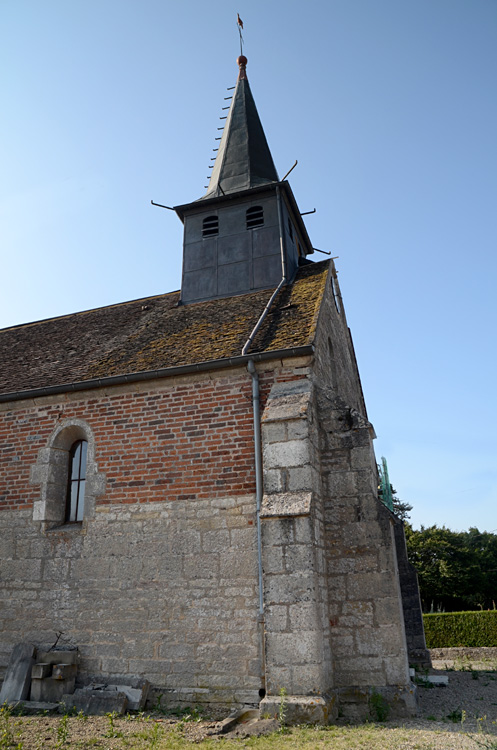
(390, 107)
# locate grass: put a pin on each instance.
(145, 732)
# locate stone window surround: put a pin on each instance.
(51, 471)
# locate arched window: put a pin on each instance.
(255, 217)
(68, 476)
(75, 501)
(210, 226)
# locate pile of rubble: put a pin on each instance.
(45, 681)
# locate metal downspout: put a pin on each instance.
(256, 406)
(258, 492)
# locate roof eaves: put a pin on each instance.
(216, 364)
(202, 203)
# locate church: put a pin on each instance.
(188, 487)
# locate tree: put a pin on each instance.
(456, 570)
(400, 509)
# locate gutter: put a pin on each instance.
(256, 407)
(165, 372)
(258, 494)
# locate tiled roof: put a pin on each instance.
(155, 333)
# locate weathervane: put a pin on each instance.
(239, 24)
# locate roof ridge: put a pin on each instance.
(85, 312)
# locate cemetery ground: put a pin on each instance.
(461, 715)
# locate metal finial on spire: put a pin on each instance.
(239, 24)
(242, 64)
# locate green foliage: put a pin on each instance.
(282, 709)
(456, 570)
(454, 629)
(8, 739)
(63, 731)
(378, 706)
(400, 509)
(112, 731)
(455, 716)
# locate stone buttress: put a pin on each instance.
(334, 624)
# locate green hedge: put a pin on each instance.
(453, 629)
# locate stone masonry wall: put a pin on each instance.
(411, 602)
(331, 579)
(298, 657)
(331, 587)
(165, 591)
(367, 628)
(160, 581)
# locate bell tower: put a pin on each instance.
(246, 233)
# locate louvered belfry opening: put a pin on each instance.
(255, 217)
(210, 226)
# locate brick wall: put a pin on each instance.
(189, 441)
(162, 581)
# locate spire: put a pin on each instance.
(243, 160)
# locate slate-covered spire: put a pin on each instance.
(244, 160)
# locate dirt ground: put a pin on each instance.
(461, 715)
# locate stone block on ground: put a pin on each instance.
(36, 707)
(17, 680)
(366, 703)
(137, 697)
(97, 702)
(40, 671)
(51, 689)
(64, 672)
(440, 680)
(59, 657)
(301, 709)
(239, 717)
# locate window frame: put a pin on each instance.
(51, 473)
(76, 480)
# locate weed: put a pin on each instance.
(488, 743)
(155, 735)
(475, 675)
(158, 707)
(63, 731)
(112, 731)
(282, 710)
(186, 713)
(431, 717)
(7, 736)
(424, 682)
(378, 706)
(18, 709)
(456, 716)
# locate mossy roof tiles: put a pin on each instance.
(156, 333)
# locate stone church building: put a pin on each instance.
(188, 488)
